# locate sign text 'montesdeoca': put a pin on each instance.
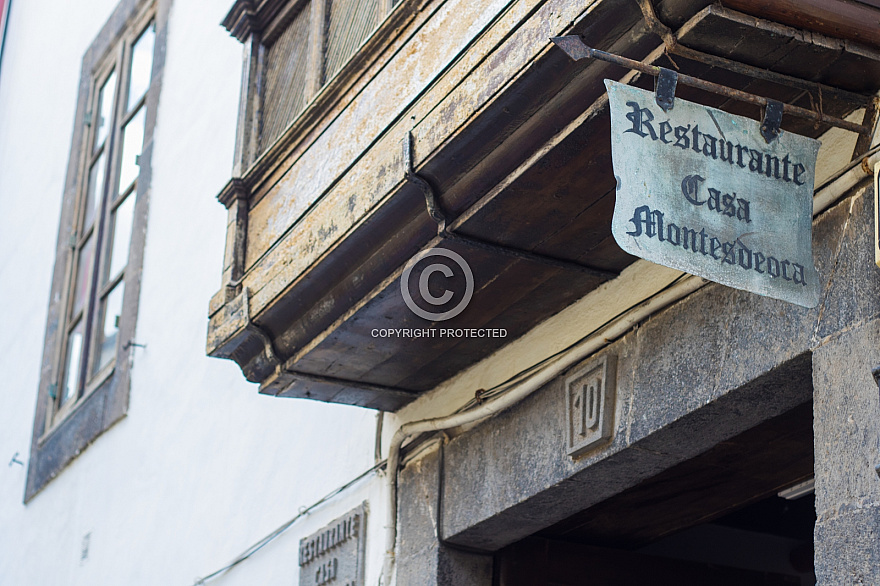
(700, 190)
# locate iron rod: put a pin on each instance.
(675, 46)
(576, 49)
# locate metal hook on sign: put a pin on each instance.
(772, 119)
(664, 90)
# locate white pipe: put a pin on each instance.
(597, 340)
(852, 176)
(822, 200)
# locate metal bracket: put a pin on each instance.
(772, 119)
(436, 214)
(434, 209)
(664, 89)
(268, 345)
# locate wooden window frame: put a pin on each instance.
(248, 144)
(63, 428)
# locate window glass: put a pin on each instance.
(141, 66)
(350, 22)
(287, 73)
(104, 110)
(122, 219)
(94, 190)
(83, 271)
(74, 360)
(82, 334)
(132, 142)
(112, 312)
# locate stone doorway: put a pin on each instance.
(717, 518)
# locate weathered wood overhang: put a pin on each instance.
(513, 138)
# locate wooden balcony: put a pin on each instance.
(513, 139)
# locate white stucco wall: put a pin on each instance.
(202, 466)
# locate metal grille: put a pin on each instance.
(350, 22)
(287, 65)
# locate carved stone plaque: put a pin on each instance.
(589, 404)
(335, 554)
(700, 190)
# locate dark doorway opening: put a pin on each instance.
(715, 519)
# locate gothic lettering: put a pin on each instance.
(665, 128)
(744, 256)
(709, 143)
(645, 124)
(742, 210)
(727, 204)
(643, 222)
(759, 260)
(714, 199)
(785, 276)
(714, 245)
(772, 166)
(798, 171)
(689, 239)
(772, 267)
(681, 138)
(729, 256)
(690, 187)
(641, 119)
(696, 138)
(729, 209)
(652, 223)
(673, 234)
(756, 163)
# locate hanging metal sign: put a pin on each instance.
(706, 192)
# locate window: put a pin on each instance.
(89, 336)
(304, 47)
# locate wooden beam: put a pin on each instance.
(544, 562)
(836, 18)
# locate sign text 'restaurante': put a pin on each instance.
(700, 190)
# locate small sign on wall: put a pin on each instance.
(702, 191)
(335, 554)
(589, 404)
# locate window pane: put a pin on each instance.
(94, 191)
(83, 273)
(351, 22)
(132, 142)
(286, 69)
(122, 219)
(141, 66)
(112, 314)
(104, 110)
(73, 363)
